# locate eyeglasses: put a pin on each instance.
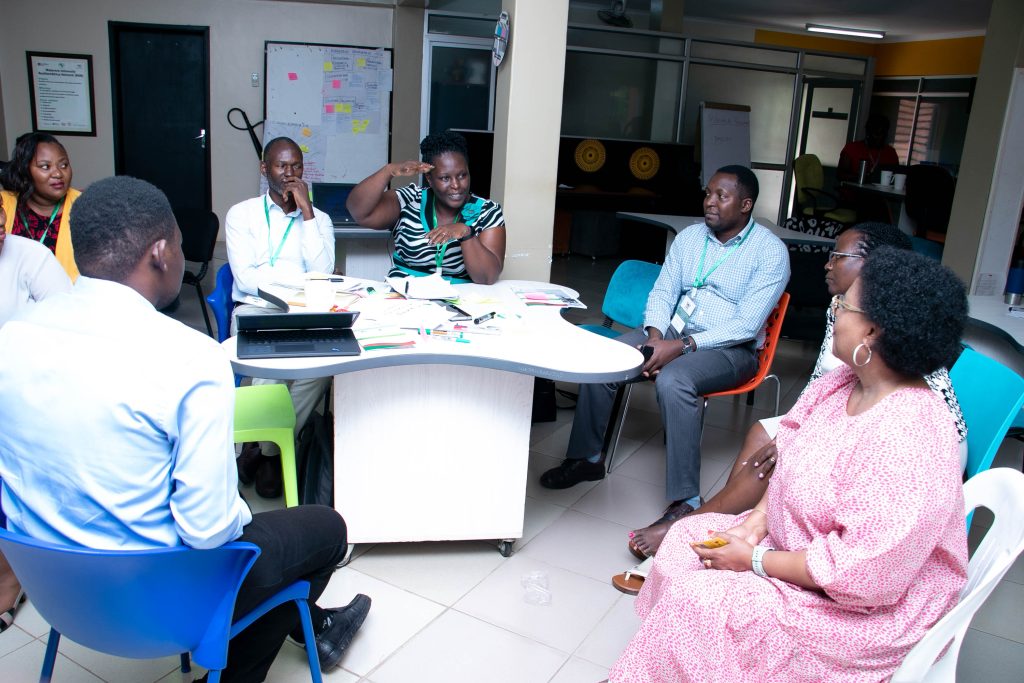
(834, 256)
(839, 301)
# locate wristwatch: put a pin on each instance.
(469, 236)
(688, 344)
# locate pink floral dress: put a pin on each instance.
(876, 501)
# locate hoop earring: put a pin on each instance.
(856, 350)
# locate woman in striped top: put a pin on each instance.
(440, 225)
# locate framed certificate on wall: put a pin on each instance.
(61, 93)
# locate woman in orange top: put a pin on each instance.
(38, 196)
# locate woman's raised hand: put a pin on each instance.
(408, 168)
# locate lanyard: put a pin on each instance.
(46, 230)
(275, 254)
(701, 276)
(440, 249)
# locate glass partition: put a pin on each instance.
(613, 97)
(768, 94)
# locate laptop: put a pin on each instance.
(330, 198)
(297, 335)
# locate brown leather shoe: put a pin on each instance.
(248, 462)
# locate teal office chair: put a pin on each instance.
(991, 396)
(626, 297)
(624, 303)
(144, 604)
(220, 301)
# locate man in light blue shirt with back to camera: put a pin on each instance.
(120, 429)
(703, 325)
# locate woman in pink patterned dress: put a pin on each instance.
(859, 544)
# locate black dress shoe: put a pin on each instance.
(268, 477)
(248, 462)
(339, 627)
(572, 472)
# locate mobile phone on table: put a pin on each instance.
(460, 314)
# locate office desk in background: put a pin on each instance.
(892, 197)
(675, 224)
(366, 252)
(432, 442)
(993, 313)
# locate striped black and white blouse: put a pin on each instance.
(414, 253)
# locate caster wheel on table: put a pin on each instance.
(505, 548)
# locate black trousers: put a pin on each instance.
(305, 542)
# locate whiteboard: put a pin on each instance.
(335, 102)
(724, 137)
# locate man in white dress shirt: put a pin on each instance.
(277, 237)
(124, 431)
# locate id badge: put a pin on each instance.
(683, 313)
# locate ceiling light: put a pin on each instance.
(839, 30)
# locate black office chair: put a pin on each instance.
(199, 229)
(929, 200)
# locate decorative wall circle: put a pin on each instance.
(644, 163)
(590, 155)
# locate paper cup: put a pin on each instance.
(319, 295)
(899, 181)
(887, 177)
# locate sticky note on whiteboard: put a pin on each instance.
(328, 66)
(335, 84)
(304, 148)
(361, 62)
(306, 132)
(292, 76)
(344, 107)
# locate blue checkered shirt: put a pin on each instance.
(737, 297)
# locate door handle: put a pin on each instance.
(201, 137)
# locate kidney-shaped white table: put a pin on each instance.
(432, 442)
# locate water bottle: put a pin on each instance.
(863, 171)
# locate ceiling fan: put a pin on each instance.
(616, 16)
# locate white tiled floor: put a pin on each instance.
(453, 612)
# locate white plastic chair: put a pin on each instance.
(1001, 490)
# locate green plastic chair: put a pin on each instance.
(265, 413)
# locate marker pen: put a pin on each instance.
(484, 318)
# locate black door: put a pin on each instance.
(160, 81)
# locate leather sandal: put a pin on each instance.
(7, 618)
(674, 511)
(630, 582)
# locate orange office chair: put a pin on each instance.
(765, 357)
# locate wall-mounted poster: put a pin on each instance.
(60, 89)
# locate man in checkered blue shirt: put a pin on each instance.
(704, 322)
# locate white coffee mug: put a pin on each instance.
(319, 295)
(887, 177)
(899, 181)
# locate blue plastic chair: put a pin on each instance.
(143, 604)
(220, 301)
(626, 297)
(991, 396)
(929, 248)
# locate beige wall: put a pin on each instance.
(1003, 51)
(405, 119)
(527, 120)
(238, 29)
